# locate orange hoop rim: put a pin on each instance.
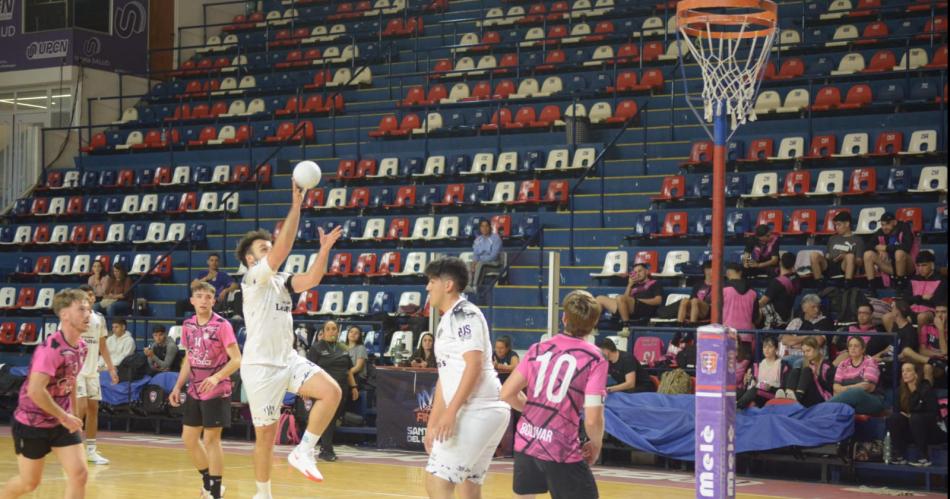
(695, 22)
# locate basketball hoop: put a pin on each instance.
(731, 41)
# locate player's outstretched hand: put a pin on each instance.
(71, 423)
(174, 398)
(297, 196)
(444, 428)
(328, 240)
(591, 452)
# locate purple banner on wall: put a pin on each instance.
(124, 49)
(716, 412)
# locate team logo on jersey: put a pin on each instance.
(708, 362)
(465, 332)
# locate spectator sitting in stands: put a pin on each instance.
(761, 256)
(856, 380)
(486, 254)
(812, 383)
(161, 353)
(424, 356)
(890, 250)
(765, 379)
(926, 289)
(933, 341)
(738, 303)
(117, 300)
(330, 355)
(775, 306)
(916, 420)
(877, 346)
(843, 254)
(504, 358)
(120, 344)
(223, 284)
(358, 354)
(696, 308)
(811, 320)
(99, 279)
(639, 300)
(626, 371)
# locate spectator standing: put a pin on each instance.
(117, 300)
(811, 320)
(120, 344)
(761, 256)
(890, 250)
(626, 371)
(916, 421)
(162, 352)
(99, 279)
(329, 354)
(776, 304)
(813, 382)
(738, 303)
(503, 357)
(765, 379)
(639, 300)
(856, 380)
(696, 307)
(359, 357)
(486, 254)
(843, 252)
(424, 356)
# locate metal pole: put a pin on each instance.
(718, 208)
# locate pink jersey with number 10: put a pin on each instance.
(561, 373)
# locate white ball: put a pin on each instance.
(307, 174)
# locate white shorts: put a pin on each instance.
(266, 386)
(87, 386)
(468, 454)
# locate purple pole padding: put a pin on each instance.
(716, 412)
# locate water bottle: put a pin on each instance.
(887, 448)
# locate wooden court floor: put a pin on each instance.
(148, 466)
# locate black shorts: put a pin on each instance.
(834, 269)
(562, 480)
(214, 413)
(35, 443)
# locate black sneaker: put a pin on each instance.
(898, 461)
(328, 456)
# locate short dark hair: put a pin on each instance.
(771, 340)
(734, 266)
(158, 329)
(641, 264)
(842, 216)
(484, 221)
(607, 344)
(762, 230)
(865, 304)
(787, 260)
(214, 255)
(120, 321)
(504, 339)
(887, 217)
(925, 257)
(85, 287)
(451, 268)
(244, 245)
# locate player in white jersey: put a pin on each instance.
(270, 366)
(468, 418)
(88, 391)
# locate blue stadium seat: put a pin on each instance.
(477, 119)
(823, 66)
(600, 82)
(114, 204)
(735, 150)
(136, 232)
(201, 174)
(702, 225)
(307, 231)
(528, 228)
(939, 224)
(383, 303)
(645, 224)
(107, 179)
(382, 197)
(456, 164)
(890, 94)
(170, 202)
(198, 232)
(144, 176)
(455, 122)
(89, 180)
(470, 229)
(577, 84)
(736, 185)
(6, 234)
(93, 206)
(241, 336)
(430, 195)
(352, 228)
(702, 187)
(24, 265)
(738, 223)
(532, 160)
(478, 194)
(922, 92)
(123, 259)
(22, 207)
(411, 166)
(898, 180)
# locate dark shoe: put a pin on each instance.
(328, 456)
(921, 463)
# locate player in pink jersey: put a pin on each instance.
(564, 376)
(212, 355)
(44, 421)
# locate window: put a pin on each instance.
(94, 15)
(43, 15)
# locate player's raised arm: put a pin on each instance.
(284, 242)
(313, 275)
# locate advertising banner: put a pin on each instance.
(403, 402)
(716, 412)
(124, 49)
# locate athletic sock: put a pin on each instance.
(263, 489)
(205, 479)
(215, 488)
(309, 440)
(90, 445)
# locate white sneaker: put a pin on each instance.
(206, 494)
(94, 458)
(624, 333)
(305, 462)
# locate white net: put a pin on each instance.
(731, 69)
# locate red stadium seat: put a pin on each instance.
(625, 110)
(320, 78)
(797, 183)
(912, 215)
(863, 182)
(78, 235)
(557, 193)
(550, 116)
(365, 168)
(675, 224)
(652, 51)
(828, 227)
(365, 263)
(341, 264)
(500, 119)
(552, 61)
(503, 89)
(888, 144)
(308, 302)
(481, 91)
(437, 92)
(40, 206)
(207, 133)
(8, 333)
(802, 222)
(409, 123)
(359, 198)
(858, 96)
(163, 267)
(97, 233)
(628, 53)
(398, 227)
(939, 60)
(873, 33)
(387, 125)
(41, 234)
(454, 196)
(529, 192)
(416, 96)
(700, 154)
(673, 188)
(791, 68)
(26, 298)
(97, 142)
(651, 80)
(649, 258)
(822, 147)
(626, 82)
(935, 27)
(405, 198)
(828, 99)
(390, 263)
(346, 169)
(315, 198)
(773, 218)
(865, 8)
(507, 63)
(501, 224)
